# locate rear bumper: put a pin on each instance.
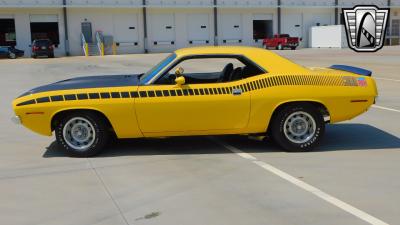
(46, 52)
(292, 44)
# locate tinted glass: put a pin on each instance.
(42, 42)
(157, 68)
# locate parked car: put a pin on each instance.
(281, 41)
(42, 47)
(265, 93)
(10, 52)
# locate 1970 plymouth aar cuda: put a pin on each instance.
(200, 91)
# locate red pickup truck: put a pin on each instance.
(281, 41)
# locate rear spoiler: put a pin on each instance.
(352, 69)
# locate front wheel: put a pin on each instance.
(298, 127)
(82, 134)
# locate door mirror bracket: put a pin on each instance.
(180, 80)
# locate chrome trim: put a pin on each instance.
(237, 91)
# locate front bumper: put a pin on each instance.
(16, 120)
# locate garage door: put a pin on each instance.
(198, 28)
(45, 26)
(231, 28)
(126, 29)
(43, 18)
(163, 29)
(293, 25)
(262, 27)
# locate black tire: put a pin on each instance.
(281, 134)
(293, 48)
(100, 131)
(51, 56)
(34, 56)
(12, 55)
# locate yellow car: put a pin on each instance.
(200, 91)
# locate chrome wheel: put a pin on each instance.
(79, 133)
(299, 127)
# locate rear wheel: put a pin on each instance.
(12, 55)
(293, 48)
(298, 127)
(82, 134)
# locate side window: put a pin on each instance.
(210, 70)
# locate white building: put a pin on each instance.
(138, 26)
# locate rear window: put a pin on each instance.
(42, 42)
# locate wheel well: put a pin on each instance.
(319, 106)
(58, 116)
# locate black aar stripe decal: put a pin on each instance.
(245, 87)
(29, 102)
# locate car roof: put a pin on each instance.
(41, 40)
(269, 60)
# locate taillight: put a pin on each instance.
(51, 47)
(35, 48)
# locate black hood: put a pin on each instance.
(88, 82)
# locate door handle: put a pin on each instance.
(237, 91)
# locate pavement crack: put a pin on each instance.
(107, 190)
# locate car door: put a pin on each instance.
(210, 107)
(3, 52)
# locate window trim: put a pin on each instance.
(243, 59)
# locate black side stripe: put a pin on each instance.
(29, 102)
(279, 80)
(57, 98)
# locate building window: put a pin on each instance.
(7, 32)
(45, 30)
(262, 29)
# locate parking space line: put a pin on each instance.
(303, 185)
(108, 192)
(388, 79)
(385, 108)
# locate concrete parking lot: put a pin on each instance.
(352, 178)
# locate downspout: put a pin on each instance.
(215, 23)
(336, 12)
(66, 43)
(279, 16)
(389, 24)
(145, 27)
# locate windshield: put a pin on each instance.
(157, 68)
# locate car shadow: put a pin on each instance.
(338, 137)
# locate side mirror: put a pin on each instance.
(180, 80)
(179, 71)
